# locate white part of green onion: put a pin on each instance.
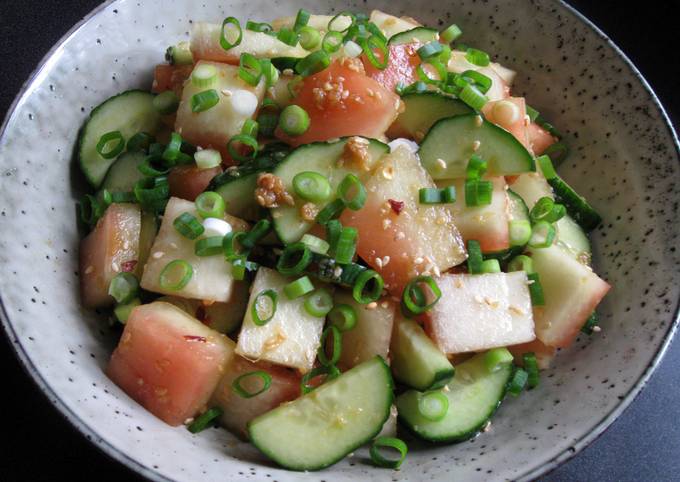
(243, 102)
(352, 49)
(216, 227)
(208, 158)
(204, 75)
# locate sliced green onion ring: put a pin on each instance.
(413, 302)
(188, 226)
(312, 186)
(111, 144)
(331, 211)
(294, 259)
(244, 141)
(294, 120)
(491, 266)
(531, 366)
(310, 38)
(231, 252)
(521, 263)
(265, 303)
(250, 69)
(204, 100)
(260, 230)
(535, 290)
(542, 235)
(341, 14)
(319, 303)
(209, 204)
(139, 142)
(477, 57)
(433, 405)
(124, 287)
(176, 275)
(332, 42)
(299, 287)
(343, 316)
(370, 45)
(203, 75)
(475, 258)
(368, 287)
(337, 346)
(210, 246)
(520, 232)
(313, 63)
(237, 384)
(350, 184)
(331, 372)
(518, 382)
(315, 244)
(208, 158)
(346, 245)
(388, 443)
(226, 44)
(301, 19)
(451, 33)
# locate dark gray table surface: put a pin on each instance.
(642, 445)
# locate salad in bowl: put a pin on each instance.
(326, 231)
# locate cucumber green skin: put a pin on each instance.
(123, 174)
(239, 196)
(423, 110)
(422, 34)
(299, 161)
(452, 138)
(91, 163)
(326, 463)
(518, 211)
(474, 426)
(577, 206)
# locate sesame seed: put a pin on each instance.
(527, 120)
(597, 329)
(337, 271)
(370, 92)
(479, 121)
(386, 223)
(441, 221)
(89, 269)
(476, 145)
(441, 163)
(418, 260)
(372, 305)
(158, 255)
(399, 236)
(226, 92)
(386, 260)
(384, 305)
(379, 263)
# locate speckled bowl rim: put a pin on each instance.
(151, 474)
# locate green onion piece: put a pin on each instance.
(315, 245)
(477, 57)
(204, 100)
(301, 19)
(440, 69)
(264, 307)
(313, 63)
(331, 372)
(267, 122)
(264, 377)
(261, 27)
(238, 267)
(337, 346)
(369, 46)
(520, 232)
(445, 54)
(209, 204)
(179, 54)
(590, 324)
(204, 420)
(557, 152)
(332, 42)
(124, 287)
(166, 102)
(259, 231)
(123, 197)
(491, 266)
(204, 75)
(210, 246)
(476, 167)
(346, 245)
(188, 226)
(310, 38)
(448, 194)
(478, 193)
(331, 211)
(287, 36)
(151, 167)
(414, 298)
(451, 33)
(430, 49)
(532, 113)
(152, 193)
(231, 252)
(350, 184)
(250, 128)
(541, 209)
(139, 142)
(173, 151)
(343, 316)
(312, 186)
(542, 235)
(224, 42)
(176, 275)
(250, 69)
(111, 144)
(270, 73)
(531, 366)
(388, 443)
(243, 141)
(367, 287)
(475, 258)
(319, 303)
(294, 259)
(298, 288)
(517, 382)
(497, 358)
(331, 23)
(473, 97)
(433, 405)
(482, 82)
(521, 263)
(208, 158)
(333, 230)
(122, 312)
(294, 120)
(535, 290)
(545, 163)
(429, 195)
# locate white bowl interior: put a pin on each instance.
(623, 159)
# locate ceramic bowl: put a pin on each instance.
(624, 159)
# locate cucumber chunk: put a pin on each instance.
(422, 110)
(452, 140)
(130, 112)
(322, 427)
(123, 174)
(418, 34)
(416, 360)
(474, 395)
(320, 157)
(573, 239)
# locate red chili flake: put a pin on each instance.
(397, 206)
(202, 339)
(202, 315)
(129, 266)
